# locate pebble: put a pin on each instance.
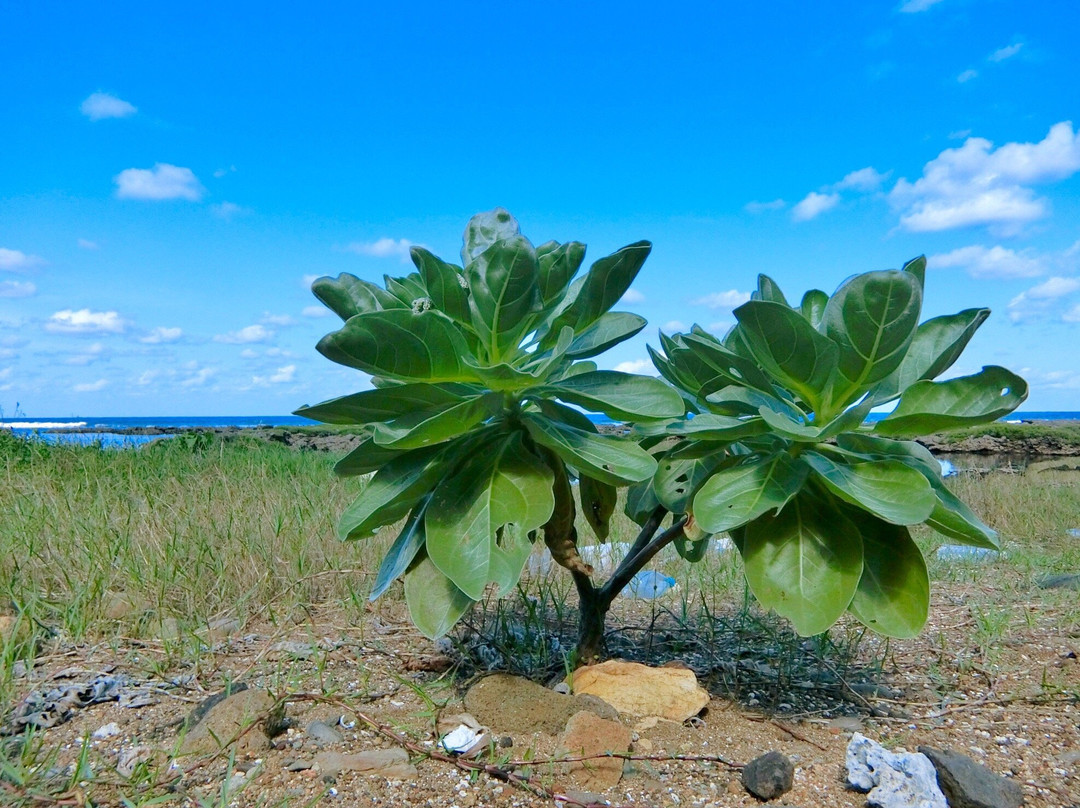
(323, 734)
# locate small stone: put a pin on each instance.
(296, 650)
(107, 731)
(893, 779)
(323, 734)
(588, 734)
(248, 719)
(297, 765)
(505, 702)
(768, 776)
(391, 763)
(584, 797)
(636, 689)
(1071, 581)
(130, 759)
(968, 784)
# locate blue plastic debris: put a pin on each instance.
(947, 468)
(1074, 532)
(961, 552)
(648, 584)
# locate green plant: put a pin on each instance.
(775, 451)
(472, 433)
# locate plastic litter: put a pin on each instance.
(648, 584)
(1074, 532)
(947, 468)
(961, 552)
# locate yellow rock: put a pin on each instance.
(636, 689)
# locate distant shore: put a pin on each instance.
(1043, 438)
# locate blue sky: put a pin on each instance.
(171, 179)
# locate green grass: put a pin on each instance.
(1067, 434)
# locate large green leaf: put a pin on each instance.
(500, 483)
(917, 267)
(347, 295)
(736, 368)
(931, 406)
(503, 293)
(557, 267)
(813, 307)
(428, 427)
(400, 344)
(385, 403)
(734, 496)
(734, 400)
(889, 489)
(364, 459)
(893, 597)
(676, 481)
(622, 396)
(509, 552)
(606, 281)
(789, 349)
(610, 460)
(768, 289)
(392, 492)
(402, 552)
(409, 290)
(708, 427)
(872, 318)
(435, 604)
(805, 562)
(950, 516)
(597, 504)
(611, 329)
(937, 344)
(445, 283)
(484, 229)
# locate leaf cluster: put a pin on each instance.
(774, 449)
(473, 432)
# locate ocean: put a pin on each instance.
(103, 429)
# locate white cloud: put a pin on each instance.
(248, 334)
(1072, 315)
(959, 134)
(632, 296)
(993, 262)
(722, 300)
(99, 106)
(814, 204)
(161, 334)
(229, 210)
(635, 366)
(146, 377)
(382, 248)
(976, 184)
(17, 289)
(284, 375)
(87, 355)
(762, 207)
(221, 172)
(1001, 54)
(720, 326)
(865, 179)
(163, 181)
(307, 280)
(967, 76)
(85, 321)
(15, 260)
(1053, 288)
(199, 377)
(671, 326)
(1043, 300)
(278, 319)
(915, 6)
(87, 244)
(316, 311)
(90, 387)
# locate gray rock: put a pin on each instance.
(893, 779)
(323, 734)
(1060, 581)
(968, 784)
(392, 763)
(768, 776)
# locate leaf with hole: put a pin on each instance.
(740, 494)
